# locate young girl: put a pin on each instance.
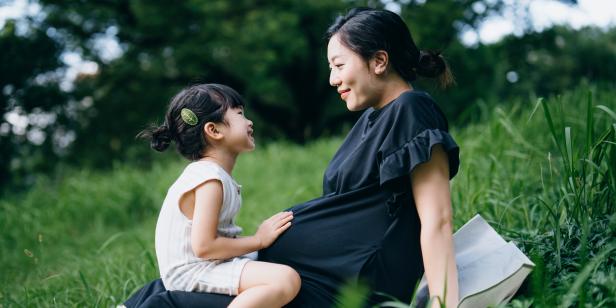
(197, 242)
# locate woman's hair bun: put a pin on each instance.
(431, 64)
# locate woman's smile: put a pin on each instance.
(344, 93)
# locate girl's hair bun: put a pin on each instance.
(161, 138)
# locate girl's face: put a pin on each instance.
(238, 131)
(352, 76)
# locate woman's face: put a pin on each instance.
(352, 76)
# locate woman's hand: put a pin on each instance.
(272, 227)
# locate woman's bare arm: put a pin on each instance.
(430, 184)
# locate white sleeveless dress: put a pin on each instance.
(180, 268)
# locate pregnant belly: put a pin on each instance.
(337, 239)
(332, 237)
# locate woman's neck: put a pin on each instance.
(392, 89)
(225, 160)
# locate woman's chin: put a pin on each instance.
(355, 107)
(351, 106)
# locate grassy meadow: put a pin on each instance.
(541, 171)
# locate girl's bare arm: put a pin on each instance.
(205, 241)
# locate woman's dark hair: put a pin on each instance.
(366, 31)
(208, 102)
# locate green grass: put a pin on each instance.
(86, 238)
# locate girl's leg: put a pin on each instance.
(265, 284)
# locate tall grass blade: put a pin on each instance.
(85, 283)
(588, 150)
(109, 241)
(569, 150)
(589, 124)
(534, 110)
(548, 118)
(608, 111)
(556, 224)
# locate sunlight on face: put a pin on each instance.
(350, 74)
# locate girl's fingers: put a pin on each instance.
(280, 215)
(283, 228)
(283, 221)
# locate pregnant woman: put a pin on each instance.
(385, 216)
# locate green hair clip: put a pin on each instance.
(189, 116)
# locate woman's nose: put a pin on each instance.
(334, 81)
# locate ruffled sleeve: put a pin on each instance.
(419, 125)
(403, 161)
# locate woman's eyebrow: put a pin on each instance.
(330, 60)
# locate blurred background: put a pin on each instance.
(79, 79)
(534, 113)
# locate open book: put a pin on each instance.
(490, 270)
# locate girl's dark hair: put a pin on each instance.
(366, 31)
(208, 102)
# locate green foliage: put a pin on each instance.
(554, 197)
(272, 52)
(86, 238)
(542, 63)
(29, 75)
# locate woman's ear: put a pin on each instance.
(379, 62)
(211, 131)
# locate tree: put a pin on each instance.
(273, 54)
(29, 79)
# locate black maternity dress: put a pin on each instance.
(365, 226)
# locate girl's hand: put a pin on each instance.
(272, 227)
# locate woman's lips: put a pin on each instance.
(344, 94)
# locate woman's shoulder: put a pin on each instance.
(414, 100)
(412, 103)
(417, 105)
